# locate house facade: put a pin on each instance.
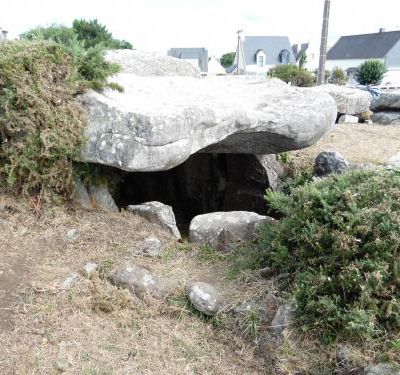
(351, 51)
(197, 56)
(261, 53)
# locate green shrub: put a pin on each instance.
(338, 76)
(293, 74)
(89, 59)
(92, 33)
(41, 121)
(228, 59)
(371, 72)
(339, 242)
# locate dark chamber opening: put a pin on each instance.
(204, 183)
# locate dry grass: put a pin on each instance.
(95, 328)
(359, 143)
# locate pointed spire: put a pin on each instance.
(239, 57)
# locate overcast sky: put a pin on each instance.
(160, 24)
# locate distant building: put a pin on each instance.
(197, 56)
(261, 53)
(311, 50)
(351, 51)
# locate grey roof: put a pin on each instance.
(199, 54)
(365, 46)
(272, 45)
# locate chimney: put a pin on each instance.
(382, 30)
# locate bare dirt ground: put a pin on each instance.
(358, 143)
(95, 328)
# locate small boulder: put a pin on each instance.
(204, 297)
(365, 116)
(349, 101)
(221, 230)
(382, 369)
(151, 247)
(328, 162)
(72, 235)
(102, 199)
(158, 213)
(70, 281)
(283, 318)
(81, 195)
(386, 101)
(348, 119)
(386, 118)
(139, 281)
(89, 269)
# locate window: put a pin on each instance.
(260, 60)
(284, 56)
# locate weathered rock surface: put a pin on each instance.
(348, 119)
(386, 101)
(151, 247)
(387, 118)
(158, 213)
(70, 281)
(274, 169)
(283, 318)
(150, 64)
(349, 101)
(221, 230)
(72, 235)
(328, 162)
(204, 297)
(102, 199)
(158, 122)
(139, 281)
(81, 194)
(89, 269)
(382, 369)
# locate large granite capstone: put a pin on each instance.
(159, 121)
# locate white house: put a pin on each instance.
(260, 53)
(351, 51)
(311, 49)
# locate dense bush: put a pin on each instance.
(338, 76)
(339, 244)
(228, 59)
(92, 33)
(89, 59)
(41, 122)
(371, 72)
(293, 74)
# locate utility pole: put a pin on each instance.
(239, 55)
(324, 41)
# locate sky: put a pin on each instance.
(157, 25)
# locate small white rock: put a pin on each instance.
(70, 281)
(89, 269)
(72, 235)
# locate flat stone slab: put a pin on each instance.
(157, 213)
(386, 118)
(222, 230)
(159, 121)
(386, 101)
(349, 101)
